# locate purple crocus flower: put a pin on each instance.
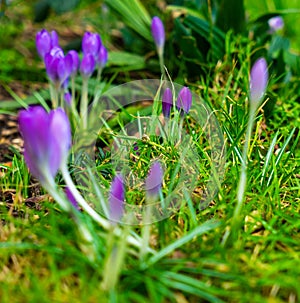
(68, 98)
(158, 33)
(87, 65)
(275, 24)
(116, 198)
(47, 140)
(58, 66)
(71, 198)
(167, 102)
(75, 62)
(154, 179)
(102, 56)
(258, 80)
(91, 43)
(45, 41)
(184, 100)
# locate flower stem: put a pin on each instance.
(115, 258)
(162, 63)
(241, 190)
(84, 102)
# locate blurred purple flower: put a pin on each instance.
(154, 180)
(45, 41)
(258, 80)
(87, 65)
(91, 43)
(68, 98)
(102, 56)
(75, 62)
(158, 33)
(116, 198)
(167, 102)
(136, 149)
(71, 198)
(58, 66)
(47, 140)
(275, 24)
(184, 100)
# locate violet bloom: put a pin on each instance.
(258, 80)
(158, 33)
(91, 43)
(275, 24)
(167, 102)
(154, 180)
(116, 198)
(45, 41)
(75, 62)
(102, 57)
(68, 98)
(71, 198)
(87, 65)
(47, 140)
(184, 100)
(58, 66)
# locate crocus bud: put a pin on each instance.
(184, 100)
(68, 98)
(158, 33)
(71, 198)
(45, 42)
(47, 140)
(116, 198)
(258, 80)
(91, 43)
(87, 65)
(75, 62)
(167, 102)
(102, 56)
(153, 181)
(275, 24)
(58, 66)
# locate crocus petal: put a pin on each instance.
(116, 198)
(102, 56)
(158, 32)
(47, 139)
(54, 39)
(33, 125)
(56, 52)
(154, 179)
(68, 98)
(258, 80)
(167, 102)
(276, 23)
(71, 198)
(184, 100)
(91, 43)
(87, 65)
(43, 43)
(60, 138)
(75, 62)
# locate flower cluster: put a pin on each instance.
(47, 141)
(61, 67)
(183, 103)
